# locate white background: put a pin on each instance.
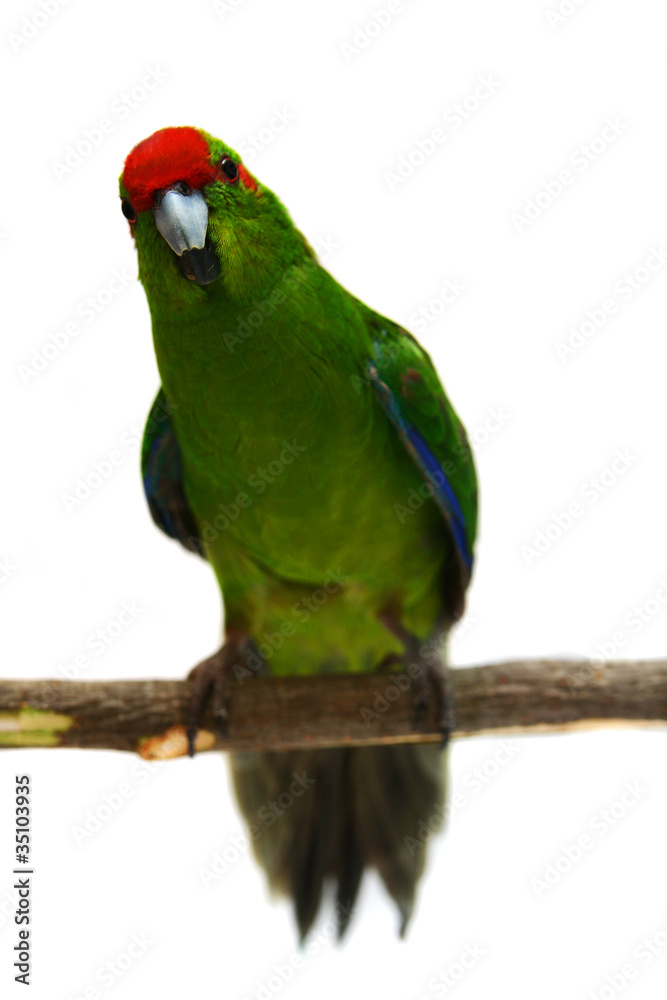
(354, 112)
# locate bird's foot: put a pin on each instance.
(432, 675)
(429, 675)
(210, 679)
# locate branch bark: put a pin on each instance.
(149, 716)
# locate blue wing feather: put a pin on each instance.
(430, 467)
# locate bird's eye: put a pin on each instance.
(128, 211)
(229, 169)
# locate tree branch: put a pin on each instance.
(350, 710)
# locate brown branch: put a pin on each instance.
(279, 714)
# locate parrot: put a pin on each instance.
(303, 445)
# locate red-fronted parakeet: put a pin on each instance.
(303, 445)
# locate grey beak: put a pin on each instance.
(182, 220)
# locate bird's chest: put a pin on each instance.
(279, 466)
(288, 457)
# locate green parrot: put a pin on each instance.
(303, 445)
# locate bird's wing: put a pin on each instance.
(161, 471)
(410, 392)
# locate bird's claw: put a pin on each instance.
(210, 679)
(432, 677)
(429, 674)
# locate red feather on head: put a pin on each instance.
(167, 156)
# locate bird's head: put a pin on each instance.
(202, 223)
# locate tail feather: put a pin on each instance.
(400, 791)
(312, 843)
(325, 815)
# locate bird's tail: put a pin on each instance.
(324, 815)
